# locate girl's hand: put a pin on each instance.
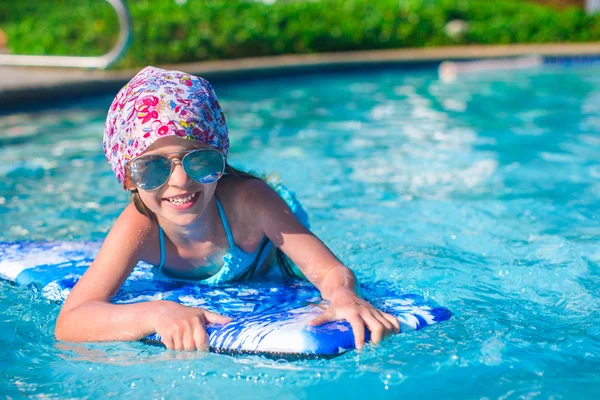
(184, 328)
(346, 305)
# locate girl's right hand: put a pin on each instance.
(184, 328)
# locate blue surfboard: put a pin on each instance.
(268, 317)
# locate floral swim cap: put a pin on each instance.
(157, 103)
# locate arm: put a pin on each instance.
(87, 314)
(335, 281)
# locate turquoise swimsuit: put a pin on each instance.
(237, 262)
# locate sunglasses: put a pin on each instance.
(150, 172)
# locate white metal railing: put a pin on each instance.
(592, 6)
(102, 62)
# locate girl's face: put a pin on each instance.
(181, 200)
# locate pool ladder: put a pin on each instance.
(100, 62)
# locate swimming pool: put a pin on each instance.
(481, 194)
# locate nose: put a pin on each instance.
(178, 177)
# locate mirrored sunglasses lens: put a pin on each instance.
(204, 166)
(150, 172)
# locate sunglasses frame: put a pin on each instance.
(176, 161)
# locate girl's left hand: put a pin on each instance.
(346, 305)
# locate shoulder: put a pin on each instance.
(133, 229)
(126, 243)
(251, 206)
(132, 219)
(250, 193)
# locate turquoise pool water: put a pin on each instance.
(482, 194)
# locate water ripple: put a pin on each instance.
(481, 194)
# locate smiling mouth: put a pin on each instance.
(181, 200)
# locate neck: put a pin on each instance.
(203, 229)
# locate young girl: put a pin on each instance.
(195, 217)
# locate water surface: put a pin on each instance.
(482, 194)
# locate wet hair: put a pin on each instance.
(282, 260)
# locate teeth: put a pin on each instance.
(181, 200)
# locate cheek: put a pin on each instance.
(210, 189)
(150, 200)
(207, 192)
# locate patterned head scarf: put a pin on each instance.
(157, 103)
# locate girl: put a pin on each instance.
(197, 218)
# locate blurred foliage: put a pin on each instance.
(170, 31)
(562, 3)
(58, 27)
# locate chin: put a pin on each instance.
(183, 217)
(184, 220)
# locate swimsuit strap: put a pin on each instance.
(163, 252)
(225, 223)
(161, 235)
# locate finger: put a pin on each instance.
(358, 329)
(188, 338)
(388, 328)
(394, 321)
(168, 342)
(200, 337)
(374, 326)
(214, 318)
(322, 318)
(177, 340)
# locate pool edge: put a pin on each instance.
(41, 87)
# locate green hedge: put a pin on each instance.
(169, 31)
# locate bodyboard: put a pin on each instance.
(268, 317)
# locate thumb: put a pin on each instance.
(326, 316)
(214, 318)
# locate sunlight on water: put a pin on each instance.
(481, 194)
